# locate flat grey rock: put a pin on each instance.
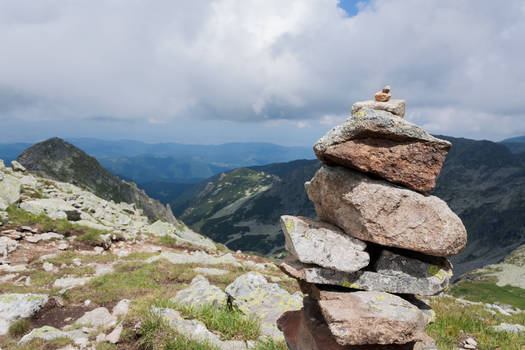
(50, 333)
(197, 257)
(254, 295)
(122, 308)
(97, 317)
(509, 328)
(391, 273)
(9, 188)
(396, 107)
(16, 306)
(70, 282)
(316, 242)
(200, 293)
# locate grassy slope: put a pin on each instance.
(154, 283)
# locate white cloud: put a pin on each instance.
(459, 64)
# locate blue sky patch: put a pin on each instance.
(351, 7)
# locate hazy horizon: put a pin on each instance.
(219, 71)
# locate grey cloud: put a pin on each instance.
(249, 61)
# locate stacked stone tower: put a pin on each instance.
(380, 239)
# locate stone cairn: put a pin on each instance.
(380, 239)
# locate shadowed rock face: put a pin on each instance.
(379, 143)
(379, 212)
(392, 273)
(58, 160)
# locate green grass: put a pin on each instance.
(67, 258)
(40, 344)
(154, 333)
(229, 324)
(270, 344)
(134, 279)
(19, 328)
(91, 237)
(487, 292)
(21, 217)
(167, 240)
(455, 320)
(105, 346)
(139, 256)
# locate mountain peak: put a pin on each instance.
(59, 160)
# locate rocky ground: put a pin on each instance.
(76, 277)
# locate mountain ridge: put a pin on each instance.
(482, 181)
(58, 160)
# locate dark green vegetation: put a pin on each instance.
(229, 324)
(21, 217)
(487, 292)
(58, 160)
(241, 208)
(19, 328)
(482, 181)
(155, 333)
(456, 322)
(515, 144)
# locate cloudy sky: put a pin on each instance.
(281, 71)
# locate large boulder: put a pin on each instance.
(10, 188)
(306, 329)
(379, 212)
(200, 293)
(391, 273)
(16, 306)
(379, 143)
(254, 295)
(316, 242)
(360, 318)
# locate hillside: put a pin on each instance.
(56, 159)
(241, 208)
(482, 181)
(142, 162)
(125, 284)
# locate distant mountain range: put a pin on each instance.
(515, 144)
(482, 181)
(173, 162)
